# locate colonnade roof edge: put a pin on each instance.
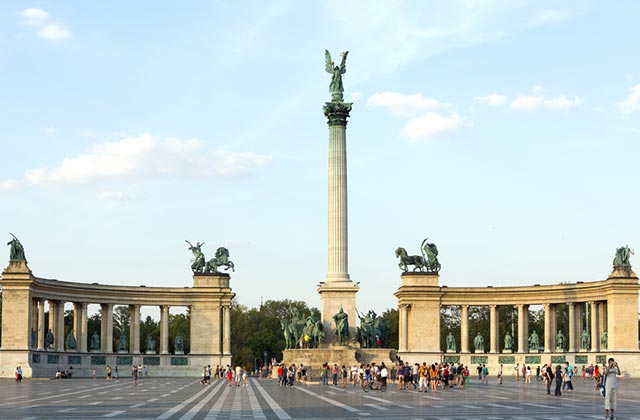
(412, 289)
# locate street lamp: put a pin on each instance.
(264, 367)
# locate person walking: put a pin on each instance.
(500, 374)
(548, 377)
(611, 385)
(134, 374)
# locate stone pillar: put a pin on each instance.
(402, 328)
(602, 317)
(579, 323)
(41, 327)
(34, 323)
(106, 328)
(59, 322)
(494, 340)
(547, 328)
(134, 329)
(226, 344)
(522, 327)
(78, 308)
(164, 329)
(337, 114)
(82, 339)
(464, 328)
(572, 327)
(595, 337)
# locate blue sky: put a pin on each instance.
(507, 132)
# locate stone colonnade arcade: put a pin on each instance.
(24, 333)
(612, 303)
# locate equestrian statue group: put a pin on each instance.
(199, 265)
(301, 332)
(427, 262)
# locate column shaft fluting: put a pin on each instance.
(595, 337)
(572, 327)
(493, 329)
(164, 329)
(41, 327)
(134, 329)
(338, 269)
(522, 327)
(59, 336)
(547, 328)
(226, 344)
(464, 329)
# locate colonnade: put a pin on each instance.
(55, 324)
(607, 306)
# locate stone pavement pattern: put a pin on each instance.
(186, 399)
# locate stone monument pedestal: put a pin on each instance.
(509, 351)
(150, 352)
(333, 296)
(479, 351)
(451, 351)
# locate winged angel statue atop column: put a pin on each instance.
(336, 87)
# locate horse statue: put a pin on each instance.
(430, 254)
(221, 259)
(198, 262)
(367, 330)
(313, 330)
(406, 260)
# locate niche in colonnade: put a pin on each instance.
(449, 323)
(479, 317)
(508, 323)
(180, 324)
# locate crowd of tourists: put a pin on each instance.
(238, 375)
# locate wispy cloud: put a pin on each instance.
(422, 29)
(114, 196)
(47, 29)
(536, 100)
(631, 103)
(429, 118)
(145, 156)
(495, 99)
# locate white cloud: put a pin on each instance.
(525, 102)
(435, 125)
(50, 131)
(9, 184)
(146, 156)
(34, 15)
(495, 99)
(631, 103)
(113, 196)
(401, 104)
(54, 32)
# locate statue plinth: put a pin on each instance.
(479, 351)
(622, 271)
(95, 351)
(507, 351)
(333, 296)
(123, 352)
(211, 280)
(559, 350)
(451, 351)
(150, 352)
(179, 352)
(17, 266)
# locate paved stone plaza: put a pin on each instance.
(185, 399)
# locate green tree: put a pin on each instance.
(392, 318)
(121, 322)
(68, 326)
(149, 328)
(180, 324)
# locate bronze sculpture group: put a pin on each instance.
(200, 265)
(299, 332)
(428, 261)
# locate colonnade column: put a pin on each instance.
(226, 343)
(164, 329)
(106, 328)
(464, 328)
(59, 322)
(595, 336)
(402, 328)
(493, 329)
(134, 329)
(579, 324)
(80, 325)
(547, 327)
(41, 332)
(572, 327)
(523, 322)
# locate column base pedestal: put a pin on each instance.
(333, 297)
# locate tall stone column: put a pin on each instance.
(493, 329)
(59, 322)
(134, 329)
(34, 323)
(106, 328)
(41, 327)
(523, 322)
(226, 344)
(403, 321)
(572, 327)
(464, 328)
(547, 328)
(579, 322)
(337, 291)
(78, 308)
(82, 339)
(595, 337)
(164, 329)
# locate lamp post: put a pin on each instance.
(264, 367)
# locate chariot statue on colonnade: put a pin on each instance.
(199, 265)
(428, 261)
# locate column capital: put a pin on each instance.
(337, 113)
